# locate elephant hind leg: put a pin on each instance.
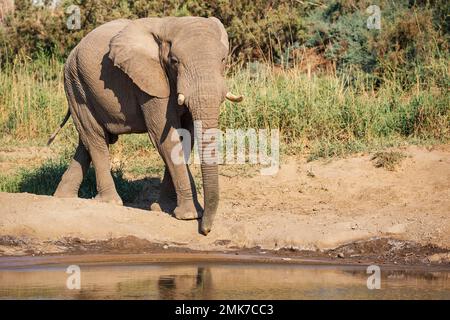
(93, 135)
(72, 178)
(97, 145)
(106, 190)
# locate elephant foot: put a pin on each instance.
(109, 198)
(187, 211)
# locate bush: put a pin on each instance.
(411, 47)
(257, 29)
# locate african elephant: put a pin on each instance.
(153, 75)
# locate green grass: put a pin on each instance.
(32, 99)
(324, 116)
(321, 116)
(318, 117)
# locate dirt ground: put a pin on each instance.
(341, 208)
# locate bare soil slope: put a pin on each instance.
(306, 206)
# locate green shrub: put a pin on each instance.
(409, 48)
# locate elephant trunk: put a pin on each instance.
(205, 112)
(203, 97)
(211, 195)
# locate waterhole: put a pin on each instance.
(23, 278)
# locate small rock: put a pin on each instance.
(439, 258)
(309, 173)
(340, 255)
(397, 229)
(434, 258)
(165, 247)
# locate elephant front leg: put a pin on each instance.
(162, 125)
(176, 182)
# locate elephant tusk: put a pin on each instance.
(181, 99)
(233, 97)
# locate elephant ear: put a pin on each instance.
(135, 51)
(222, 31)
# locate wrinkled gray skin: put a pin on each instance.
(125, 77)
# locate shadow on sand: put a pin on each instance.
(43, 180)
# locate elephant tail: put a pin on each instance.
(53, 136)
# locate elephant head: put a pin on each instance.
(183, 57)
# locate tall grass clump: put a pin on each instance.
(32, 98)
(324, 113)
(327, 115)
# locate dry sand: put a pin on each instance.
(306, 206)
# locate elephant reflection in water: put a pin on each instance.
(186, 286)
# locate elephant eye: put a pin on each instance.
(173, 60)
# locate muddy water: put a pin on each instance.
(32, 278)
